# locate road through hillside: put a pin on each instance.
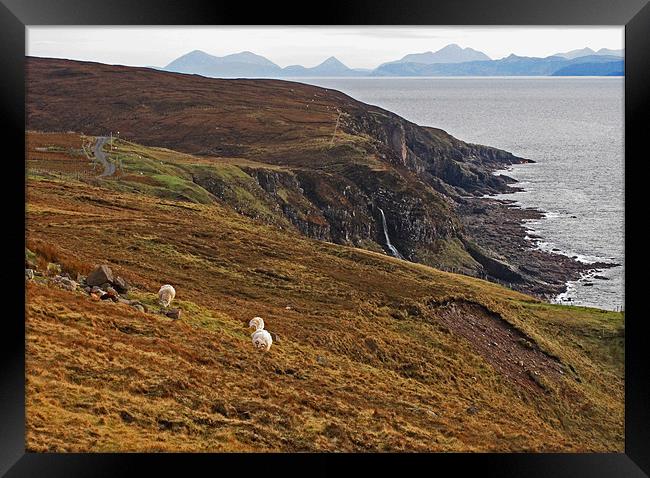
(100, 155)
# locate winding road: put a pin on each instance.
(100, 155)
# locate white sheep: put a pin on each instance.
(256, 322)
(261, 338)
(165, 295)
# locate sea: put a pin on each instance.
(572, 127)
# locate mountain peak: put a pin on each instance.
(573, 54)
(243, 54)
(451, 53)
(191, 58)
(245, 63)
(452, 46)
(332, 61)
(195, 54)
(332, 64)
(577, 53)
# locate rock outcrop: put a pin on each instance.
(101, 275)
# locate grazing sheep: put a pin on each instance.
(256, 322)
(165, 295)
(261, 338)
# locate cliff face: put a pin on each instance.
(346, 208)
(433, 153)
(330, 182)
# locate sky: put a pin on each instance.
(357, 47)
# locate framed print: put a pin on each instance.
(397, 235)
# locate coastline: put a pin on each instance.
(596, 271)
(500, 225)
(503, 226)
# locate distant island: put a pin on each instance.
(452, 60)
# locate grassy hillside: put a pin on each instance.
(371, 353)
(303, 156)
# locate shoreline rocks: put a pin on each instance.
(500, 228)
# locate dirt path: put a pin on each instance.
(100, 155)
(509, 350)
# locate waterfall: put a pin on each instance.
(390, 246)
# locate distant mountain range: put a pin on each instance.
(594, 65)
(247, 64)
(330, 67)
(239, 64)
(589, 52)
(451, 60)
(449, 54)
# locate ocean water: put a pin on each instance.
(572, 128)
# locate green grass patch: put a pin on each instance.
(449, 255)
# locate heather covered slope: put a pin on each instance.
(373, 353)
(333, 165)
(273, 121)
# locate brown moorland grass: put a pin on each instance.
(365, 358)
(60, 152)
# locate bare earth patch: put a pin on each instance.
(506, 348)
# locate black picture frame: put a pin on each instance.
(15, 15)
